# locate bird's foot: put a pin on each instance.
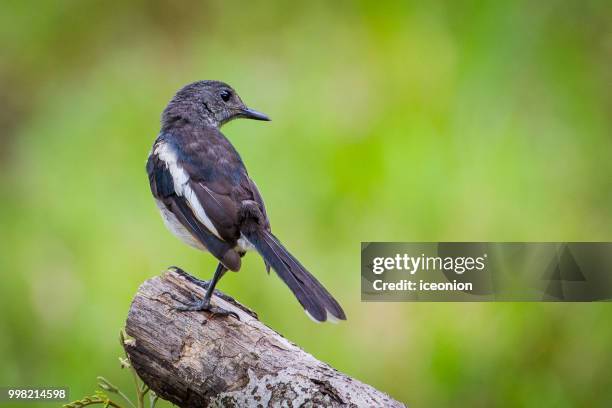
(204, 284)
(205, 306)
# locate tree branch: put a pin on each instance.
(195, 360)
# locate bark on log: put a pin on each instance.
(195, 360)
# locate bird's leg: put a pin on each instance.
(204, 284)
(204, 304)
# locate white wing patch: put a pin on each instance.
(168, 156)
(181, 179)
(197, 208)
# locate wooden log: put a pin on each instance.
(193, 359)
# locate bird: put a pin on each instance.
(207, 199)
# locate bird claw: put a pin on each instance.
(219, 311)
(205, 306)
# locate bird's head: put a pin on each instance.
(211, 102)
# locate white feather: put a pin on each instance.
(329, 317)
(181, 179)
(244, 244)
(168, 156)
(310, 317)
(197, 208)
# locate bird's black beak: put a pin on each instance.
(253, 114)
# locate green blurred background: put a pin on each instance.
(407, 121)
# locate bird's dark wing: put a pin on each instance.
(220, 208)
(222, 201)
(204, 182)
(223, 205)
(219, 180)
(259, 200)
(164, 190)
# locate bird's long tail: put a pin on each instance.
(315, 299)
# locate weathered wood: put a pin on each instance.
(195, 360)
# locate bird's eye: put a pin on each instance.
(225, 95)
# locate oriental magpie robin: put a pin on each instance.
(208, 200)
